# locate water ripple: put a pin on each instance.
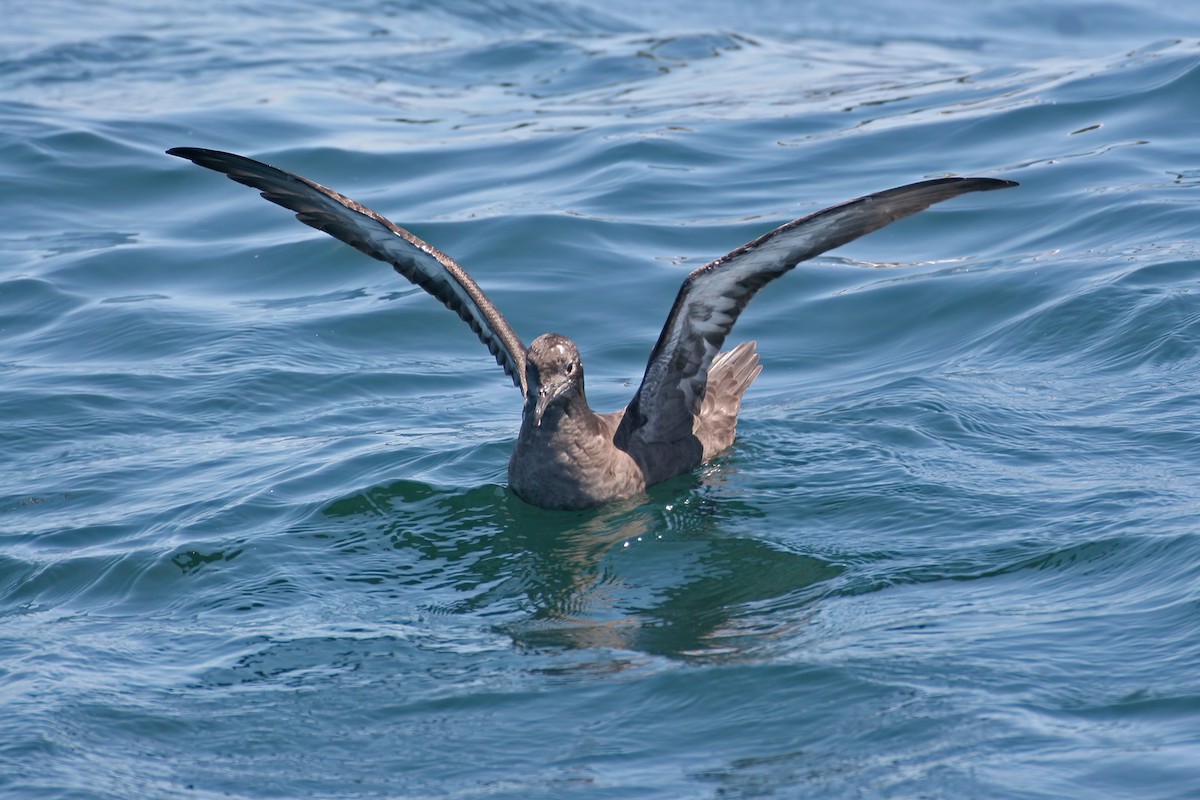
(254, 534)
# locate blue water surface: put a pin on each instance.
(255, 538)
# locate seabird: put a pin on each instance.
(685, 411)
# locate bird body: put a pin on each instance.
(570, 457)
(685, 410)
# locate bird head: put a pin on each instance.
(553, 373)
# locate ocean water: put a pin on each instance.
(255, 539)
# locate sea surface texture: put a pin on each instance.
(255, 534)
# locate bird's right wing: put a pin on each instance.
(360, 227)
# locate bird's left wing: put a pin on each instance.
(713, 296)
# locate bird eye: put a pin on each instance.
(571, 368)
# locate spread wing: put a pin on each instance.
(713, 296)
(360, 227)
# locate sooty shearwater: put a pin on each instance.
(685, 411)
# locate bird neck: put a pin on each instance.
(570, 416)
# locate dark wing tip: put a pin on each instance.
(200, 155)
(229, 163)
(942, 188)
(989, 184)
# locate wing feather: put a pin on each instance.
(712, 297)
(358, 226)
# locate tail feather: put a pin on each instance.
(729, 377)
